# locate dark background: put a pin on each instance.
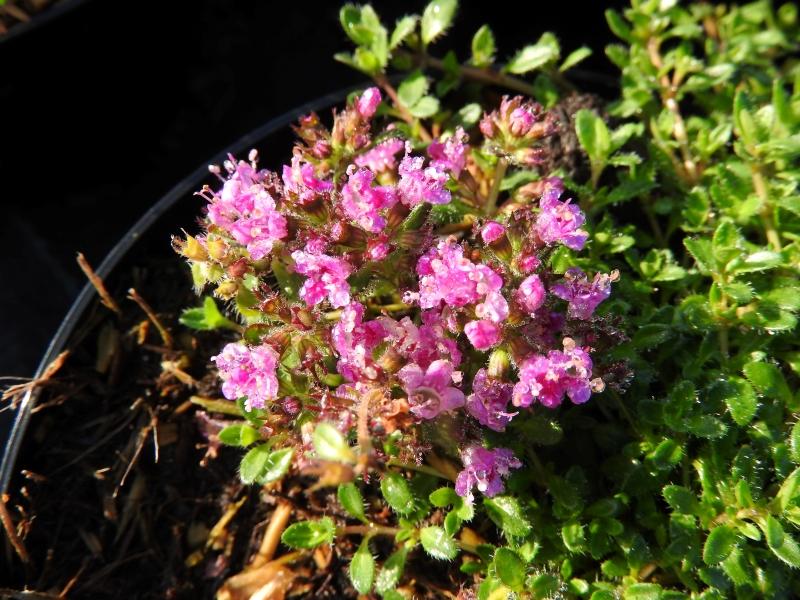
(108, 106)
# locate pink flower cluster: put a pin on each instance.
(245, 209)
(248, 372)
(420, 307)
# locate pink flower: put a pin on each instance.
(492, 231)
(483, 334)
(450, 154)
(583, 295)
(327, 276)
(378, 247)
(382, 157)
(430, 392)
(248, 372)
(489, 400)
(521, 120)
(354, 342)
(362, 202)
(547, 379)
(530, 295)
(420, 184)
(424, 344)
(494, 307)
(528, 262)
(300, 180)
(484, 469)
(246, 210)
(559, 222)
(368, 102)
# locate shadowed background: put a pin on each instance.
(108, 106)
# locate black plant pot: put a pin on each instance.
(149, 237)
(39, 20)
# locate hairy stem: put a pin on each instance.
(393, 462)
(499, 173)
(762, 191)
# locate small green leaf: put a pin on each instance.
(507, 515)
(618, 25)
(239, 435)
(444, 496)
(397, 494)
(391, 571)
(362, 568)
(575, 57)
(783, 545)
(437, 18)
(573, 535)
(593, 135)
(352, 501)
(509, 568)
(740, 397)
(427, 106)
(402, 29)
(469, 114)
(768, 380)
(438, 544)
(483, 47)
(278, 463)
(309, 534)
(700, 249)
(789, 491)
(680, 499)
(331, 445)
(254, 463)
(719, 544)
(412, 88)
(206, 317)
(794, 442)
(545, 51)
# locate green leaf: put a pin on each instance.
(593, 135)
(239, 435)
(545, 51)
(350, 18)
(397, 494)
(351, 500)
(794, 442)
(618, 25)
(509, 568)
(437, 18)
(427, 106)
(437, 543)
(783, 545)
(719, 544)
(260, 465)
(412, 88)
(444, 496)
(643, 591)
(768, 380)
(483, 47)
(573, 536)
(206, 317)
(391, 571)
(468, 115)
(506, 513)
(700, 249)
(788, 491)
(739, 396)
(575, 57)
(402, 29)
(309, 534)
(362, 568)
(680, 499)
(331, 445)
(758, 261)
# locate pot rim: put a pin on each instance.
(185, 186)
(51, 13)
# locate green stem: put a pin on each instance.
(226, 407)
(762, 191)
(393, 462)
(499, 173)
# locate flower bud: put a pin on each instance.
(499, 364)
(227, 290)
(191, 248)
(217, 248)
(492, 231)
(238, 268)
(487, 126)
(520, 121)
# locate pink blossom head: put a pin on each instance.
(450, 154)
(492, 231)
(422, 184)
(368, 102)
(300, 180)
(248, 372)
(484, 469)
(326, 276)
(488, 402)
(363, 203)
(483, 334)
(527, 263)
(431, 391)
(382, 157)
(583, 295)
(520, 121)
(559, 222)
(530, 294)
(354, 340)
(547, 379)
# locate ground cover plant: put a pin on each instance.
(488, 335)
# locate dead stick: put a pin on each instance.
(11, 532)
(165, 335)
(98, 284)
(272, 535)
